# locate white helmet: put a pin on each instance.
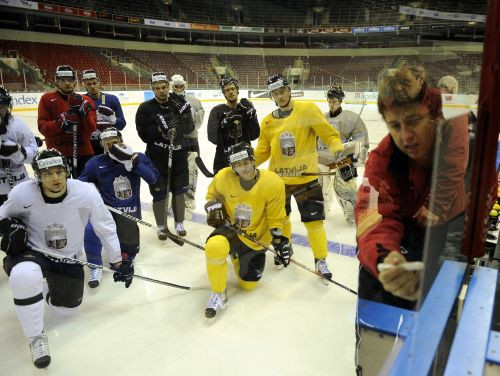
(178, 80)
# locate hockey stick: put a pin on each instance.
(169, 177)
(104, 268)
(144, 223)
(201, 166)
(8, 173)
(299, 264)
(75, 151)
(333, 166)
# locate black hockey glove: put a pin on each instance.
(9, 149)
(39, 141)
(246, 108)
(67, 120)
(216, 215)
(178, 102)
(105, 117)
(346, 168)
(282, 246)
(231, 124)
(123, 273)
(166, 125)
(124, 155)
(79, 105)
(14, 236)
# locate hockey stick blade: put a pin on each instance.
(95, 266)
(203, 168)
(319, 173)
(174, 237)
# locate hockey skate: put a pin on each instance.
(322, 269)
(215, 304)
(162, 235)
(179, 228)
(39, 347)
(95, 277)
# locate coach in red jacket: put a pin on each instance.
(61, 112)
(393, 208)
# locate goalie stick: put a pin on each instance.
(299, 264)
(144, 223)
(95, 266)
(201, 166)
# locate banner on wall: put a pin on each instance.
(453, 16)
(20, 4)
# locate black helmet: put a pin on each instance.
(5, 97)
(109, 133)
(225, 81)
(63, 71)
(158, 77)
(276, 81)
(336, 92)
(239, 152)
(48, 158)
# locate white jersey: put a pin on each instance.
(60, 227)
(17, 133)
(198, 113)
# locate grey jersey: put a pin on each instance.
(198, 113)
(350, 126)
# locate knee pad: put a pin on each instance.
(216, 249)
(26, 281)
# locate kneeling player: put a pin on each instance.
(50, 214)
(254, 201)
(117, 175)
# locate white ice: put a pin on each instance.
(290, 324)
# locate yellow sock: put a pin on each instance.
(216, 251)
(317, 238)
(287, 228)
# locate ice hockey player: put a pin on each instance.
(288, 139)
(117, 175)
(179, 87)
(231, 122)
(50, 213)
(17, 146)
(253, 201)
(351, 128)
(157, 120)
(109, 111)
(61, 112)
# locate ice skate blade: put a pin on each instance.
(323, 281)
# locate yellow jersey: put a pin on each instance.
(255, 211)
(291, 142)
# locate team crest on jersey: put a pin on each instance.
(122, 188)
(243, 215)
(287, 144)
(56, 236)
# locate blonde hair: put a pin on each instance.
(449, 83)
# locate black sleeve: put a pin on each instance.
(213, 126)
(187, 122)
(253, 129)
(147, 130)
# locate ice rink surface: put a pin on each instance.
(291, 324)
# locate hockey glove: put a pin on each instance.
(79, 105)
(231, 124)
(66, 121)
(9, 149)
(346, 168)
(14, 236)
(123, 273)
(105, 117)
(216, 216)
(282, 247)
(39, 141)
(166, 125)
(124, 155)
(246, 108)
(179, 102)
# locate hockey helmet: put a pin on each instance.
(158, 77)
(110, 133)
(65, 71)
(335, 92)
(239, 152)
(46, 159)
(89, 74)
(225, 81)
(5, 97)
(276, 81)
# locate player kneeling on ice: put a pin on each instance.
(50, 214)
(253, 201)
(117, 175)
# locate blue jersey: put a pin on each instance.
(119, 188)
(111, 101)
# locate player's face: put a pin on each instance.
(410, 86)
(334, 104)
(54, 181)
(413, 130)
(231, 93)
(160, 90)
(245, 169)
(281, 96)
(179, 89)
(93, 87)
(109, 142)
(66, 85)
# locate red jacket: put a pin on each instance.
(51, 105)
